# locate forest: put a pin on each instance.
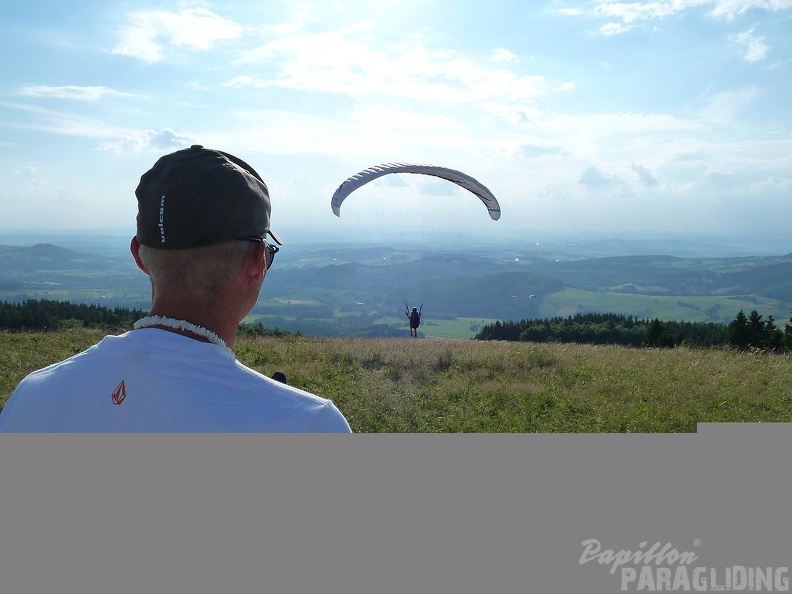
(743, 332)
(48, 314)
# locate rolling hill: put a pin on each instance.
(349, 288)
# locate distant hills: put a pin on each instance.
(45, 256)
(668, 275)
(365, 285)
(49, 271)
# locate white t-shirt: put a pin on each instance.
(152, 380)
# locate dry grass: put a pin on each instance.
(409, 385)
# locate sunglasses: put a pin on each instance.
(269, 249)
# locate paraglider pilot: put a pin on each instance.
(415, 321)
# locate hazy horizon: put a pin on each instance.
(584, 244)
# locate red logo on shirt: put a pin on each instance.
(120, 393)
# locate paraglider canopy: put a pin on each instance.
(461, 179)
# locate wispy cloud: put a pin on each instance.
(754, 47)
(503, 55)
(59, 122)
(595, 178)
(438, 188)
(344, 62)
(150, 34)
(724, 107)
(538, 150)
(632, 12)
(116, 139)
(74, 93)
(690, 156)
(165, 139)
(32, 175)
(599, 125)
(720, 181)
(629, 12)
(609, 29)
(644, 175)
(730, 9)
(392, 181)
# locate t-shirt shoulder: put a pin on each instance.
(329, 420)
(325, 415)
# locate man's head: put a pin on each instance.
(197, 197)
(203, 217)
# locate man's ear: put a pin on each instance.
(255, 261)
(134, 247)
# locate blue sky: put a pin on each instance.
(663, 116)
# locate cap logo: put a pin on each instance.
(162, 219)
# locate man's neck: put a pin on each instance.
(219, 322)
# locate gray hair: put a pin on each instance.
(199, 272)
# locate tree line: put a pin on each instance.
(46, 314)
(743, 332)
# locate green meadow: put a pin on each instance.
(418, 385)
(683, 308)
(457, 328)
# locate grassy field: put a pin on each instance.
(409, 385)
(459, 328)
(674, 307)
(118, 296)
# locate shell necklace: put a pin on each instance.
(151, 321)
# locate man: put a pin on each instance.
(202, 227)
(415, 321)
